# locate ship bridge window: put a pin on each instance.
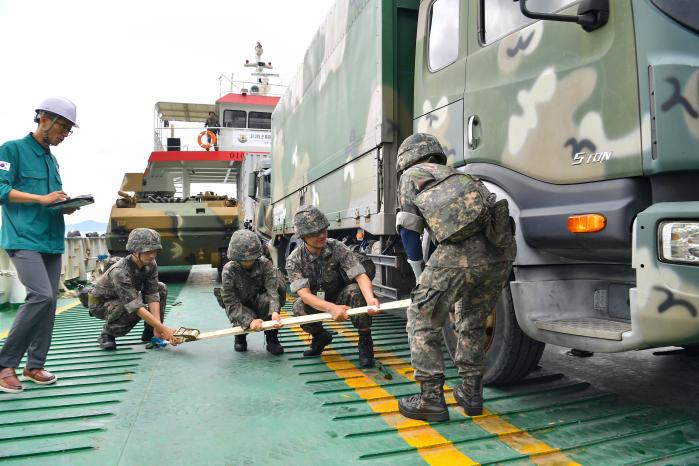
(234, 118)
(443, 39)
(500, 17)
(260, 120)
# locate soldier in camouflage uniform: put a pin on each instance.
(315, 273)
(130, 291)
(253, 289)
(472, 269)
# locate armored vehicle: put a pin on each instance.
(589, 130)
(195, 149)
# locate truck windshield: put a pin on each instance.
(685, 12)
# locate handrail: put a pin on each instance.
(78, 261)
(228, 139)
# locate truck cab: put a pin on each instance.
(583, 114)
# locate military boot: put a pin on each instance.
(470, 395)
(272, 342)
(320, 341)
(429, 405)
(106, 341)
(241, 343)
(366, 349)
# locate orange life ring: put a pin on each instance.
(211, 135)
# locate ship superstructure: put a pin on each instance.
(197, 172)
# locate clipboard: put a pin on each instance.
(73, 202)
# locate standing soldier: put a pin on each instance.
(32, 234)
(252, 290)
(468, 265)
(213, 126)
(315, 272)
(130, 291)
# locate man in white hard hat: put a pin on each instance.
(32, 234)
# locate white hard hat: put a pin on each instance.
(59, 106)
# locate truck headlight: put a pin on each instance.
(679, 242)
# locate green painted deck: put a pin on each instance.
(203, 403)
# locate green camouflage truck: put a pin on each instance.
(590, 130)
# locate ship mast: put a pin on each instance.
(262, 87)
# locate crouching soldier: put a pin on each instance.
(130, 291)
(473, 260)
(315, 272)
(252, 290)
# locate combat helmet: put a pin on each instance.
(244, 246)
(418, 147)
(142, 240)
(309, 220)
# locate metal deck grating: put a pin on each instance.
(69, 416)
(547, 419)
(226, 406)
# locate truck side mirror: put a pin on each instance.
(592, 14)
(252, 185)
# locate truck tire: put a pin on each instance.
(510, 353)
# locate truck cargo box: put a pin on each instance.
(336, 130)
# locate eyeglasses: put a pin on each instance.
(67, 129)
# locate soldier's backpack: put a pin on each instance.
(84, 294)
(219, 297)
(455, 207)
(102, 267)
(500, 231)
(459, 206)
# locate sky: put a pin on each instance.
(115, 60)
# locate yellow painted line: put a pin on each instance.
(519, 440)
(68, 306)
(60, 310)
(429, 443)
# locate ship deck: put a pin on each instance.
(203, 403)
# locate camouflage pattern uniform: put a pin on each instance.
(124, 288)
(331, 276)
(121, 291)
(472, 269)
(255, 291)
(323, 273)
(252, 294)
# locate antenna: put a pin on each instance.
(262, 87)
(221, 77)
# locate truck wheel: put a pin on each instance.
(510, 353)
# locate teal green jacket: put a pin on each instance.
(26, 166)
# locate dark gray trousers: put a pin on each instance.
(32, 328)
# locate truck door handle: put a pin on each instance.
(473, 136)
